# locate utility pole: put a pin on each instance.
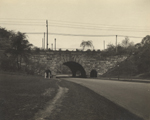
(116, 44)
(104, 44)
(44, 40)
(47, 33)
(55, 44)
(52, 46)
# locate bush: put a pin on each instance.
(6, 65)
(30, 72)
(88, 50)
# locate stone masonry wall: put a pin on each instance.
(88, 60)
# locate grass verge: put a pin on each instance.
(22, 96)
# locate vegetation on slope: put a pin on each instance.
(137, 64)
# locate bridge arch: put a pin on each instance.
(47, 73)
(93, 73)
(75, 68)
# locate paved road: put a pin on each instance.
(134, 96)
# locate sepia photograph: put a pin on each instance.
(74, 59)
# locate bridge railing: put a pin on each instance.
(70, 49)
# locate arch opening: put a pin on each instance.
(76, 69)
(48, 74)
(93, 74)
(78, 74)
(63, 71)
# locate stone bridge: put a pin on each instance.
(88, 63)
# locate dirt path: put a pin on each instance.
(51, 105)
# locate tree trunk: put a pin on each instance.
(83, 48)
(20, 61)
(17, 63)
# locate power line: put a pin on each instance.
(19, 19)
(63, 34)
(74, 25)
(23, 24)
(91, 26)
(129, 36)
(77, 24)
(98, 28)
(68, 22)
(83, 27)
(90, 23)
(83, 35)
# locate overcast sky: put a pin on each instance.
(77, 17)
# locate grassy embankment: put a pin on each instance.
(127, 69)
(21, 96)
